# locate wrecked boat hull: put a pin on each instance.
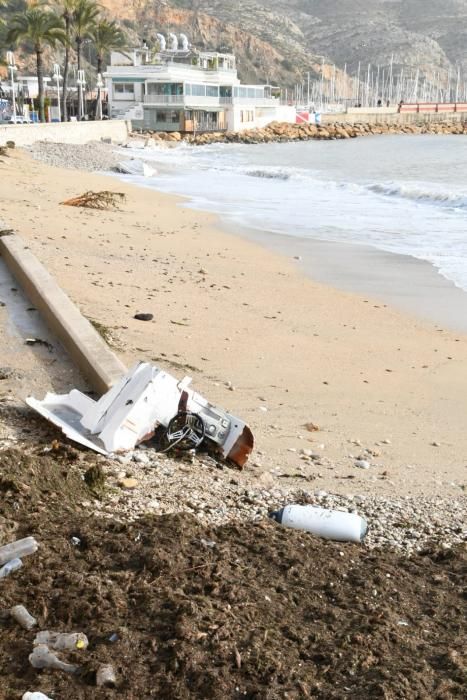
(129, 413)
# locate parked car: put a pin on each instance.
(19, 119)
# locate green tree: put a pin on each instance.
(84, 20)
(42, 28)
(106, 35)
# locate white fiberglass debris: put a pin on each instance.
(136, 167)
(129, 413)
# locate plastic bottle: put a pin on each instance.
(18, 549)
(9, 567)
(36, 695)
(42, 657)
(62, 640)
(105, 676)
(330, 524)
(22, 617)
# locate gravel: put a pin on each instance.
(94, 156)
(215, 494)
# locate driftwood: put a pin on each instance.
(96, 200)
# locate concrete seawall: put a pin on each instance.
(69, 132)
(391, 116)
(86, 348)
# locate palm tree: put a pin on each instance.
(106, 35)
(67, 8)
(42, 28)
(84, 18)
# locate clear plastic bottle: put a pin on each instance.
(18, 549)
(61, 641)
(42, 657)
(22, 617)
(105, 676)
(9, 567)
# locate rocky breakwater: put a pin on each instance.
(282, 131)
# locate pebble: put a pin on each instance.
(143, 317)
(141, 458)
(128, 483)
(362, 464)
(122, 459)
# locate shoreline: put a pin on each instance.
(407, 284)
(364, 373)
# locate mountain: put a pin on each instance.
(280, 40)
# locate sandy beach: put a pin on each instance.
(257, 335)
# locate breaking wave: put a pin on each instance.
(419, 194)
(269, 174)
(407, 196)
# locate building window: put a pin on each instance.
(126, 90)
(165, 89)
(168, 116)
(212, 90)
(225, 91)
(198, 90)
(247, 115)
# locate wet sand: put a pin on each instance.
(408, 284)
(380, 384)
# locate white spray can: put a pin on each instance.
(330, 524)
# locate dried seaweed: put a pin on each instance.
(97, 200)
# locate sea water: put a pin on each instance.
(401, 194)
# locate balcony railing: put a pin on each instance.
(204, 101)
(164, 99)
(162, 67)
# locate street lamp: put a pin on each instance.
(99, 86)
(11, 65)
(81, 82)
(57, 77)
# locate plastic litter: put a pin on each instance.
(60, 641)
(22, 617)
(9, 567)
(329, 524)
(35, 695)
(105, 676)
(42, 657)
(18, 549)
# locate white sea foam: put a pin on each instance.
(405, 195)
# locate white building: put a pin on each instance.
(186, 90)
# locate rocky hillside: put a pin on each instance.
(279, 40)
